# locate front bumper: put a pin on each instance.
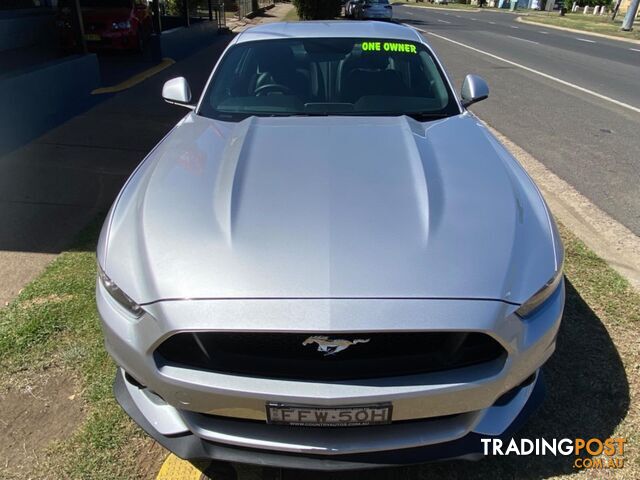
(192, 447)
(202, 414)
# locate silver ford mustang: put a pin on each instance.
(329, 263)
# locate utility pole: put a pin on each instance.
(157, 21)
(78, 24)
(185, 8)
(627, 23)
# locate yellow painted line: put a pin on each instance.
(136, 79)
(175, 468)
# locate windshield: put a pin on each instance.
(328, 76)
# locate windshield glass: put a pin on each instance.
(328, 76)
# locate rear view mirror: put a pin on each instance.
(474, 89)
(177, 92)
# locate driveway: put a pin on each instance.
(53, 186)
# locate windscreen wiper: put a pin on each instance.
(420, 116)
(425, 116)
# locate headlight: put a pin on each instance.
(528, 307)
(118, 295)
(126, 25)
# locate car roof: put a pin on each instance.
(329, 29)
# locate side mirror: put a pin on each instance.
(474, 89)
(177, 92)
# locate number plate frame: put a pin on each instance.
(321, 416)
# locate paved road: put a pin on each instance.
(590, 141)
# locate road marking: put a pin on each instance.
(174, 468)
(492, 23)
(473, 18)
(543, 32)
(513, 26)
(136, 79)
(443, 21)
(537, 72)
(635, 49)
(585, 40)
(523, 39)
(457, 16)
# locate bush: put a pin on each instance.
(317, 9)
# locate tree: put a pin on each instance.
(318, 9)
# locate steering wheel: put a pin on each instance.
(272, 87)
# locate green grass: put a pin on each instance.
(53, 326)
(60, 301)
(587, 23)
(606, 291)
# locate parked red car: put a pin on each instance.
(108, 24)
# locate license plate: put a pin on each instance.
(92, 37)
(354, 416)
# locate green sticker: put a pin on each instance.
(375, 46)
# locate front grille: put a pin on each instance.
(283, 355)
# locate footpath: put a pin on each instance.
(52, 187)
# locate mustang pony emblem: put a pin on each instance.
(332, 346)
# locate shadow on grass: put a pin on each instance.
(587, 396)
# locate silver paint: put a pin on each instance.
(323, 226)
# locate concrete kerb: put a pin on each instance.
(35, 99)
(175, 468)
(609, 239)
(523, 19)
